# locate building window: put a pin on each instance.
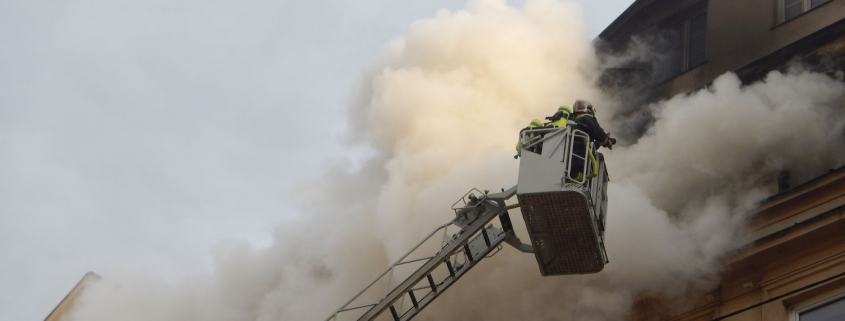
(833, 310)
(685, 46)
(792, 8)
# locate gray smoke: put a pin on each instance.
(441, 109)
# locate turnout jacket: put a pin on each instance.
(590, 125)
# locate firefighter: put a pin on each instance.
(535, 123)
(561, 116)
(559, 119)
(585, 120)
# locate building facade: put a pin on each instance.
(794, 269)
(694, 41)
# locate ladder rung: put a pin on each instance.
(393, 312)
(431, 282)
(413, 299)
(420, 288)
(466, 250)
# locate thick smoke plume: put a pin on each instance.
(442, 109)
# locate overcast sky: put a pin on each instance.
(134, 135)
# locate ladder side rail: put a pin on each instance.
(490, 242)
(358, 307)
(493, 209)
(426, 300)
(398, 262)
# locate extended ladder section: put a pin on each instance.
(474, 240)
(563, 196)
(562, 193)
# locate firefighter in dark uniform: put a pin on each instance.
(585, 120)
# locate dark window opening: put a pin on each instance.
(698, 32)
(685, 46)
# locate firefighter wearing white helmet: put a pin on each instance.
(584, 116)
(585, 119)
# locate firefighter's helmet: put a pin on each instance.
(583, 106)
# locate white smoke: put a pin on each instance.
(442, 109)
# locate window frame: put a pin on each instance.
(806, 6)
(686, 44)
(796, 311)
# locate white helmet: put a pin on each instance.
(582, 106)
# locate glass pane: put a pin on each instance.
(696, 53)
(673, 63)
(816, 3)
(834, 311)
(698, 39)
(792, 9)
(698, 24)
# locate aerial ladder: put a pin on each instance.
(562, 193)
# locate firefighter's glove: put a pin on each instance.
(556, 116)
(609, 143)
